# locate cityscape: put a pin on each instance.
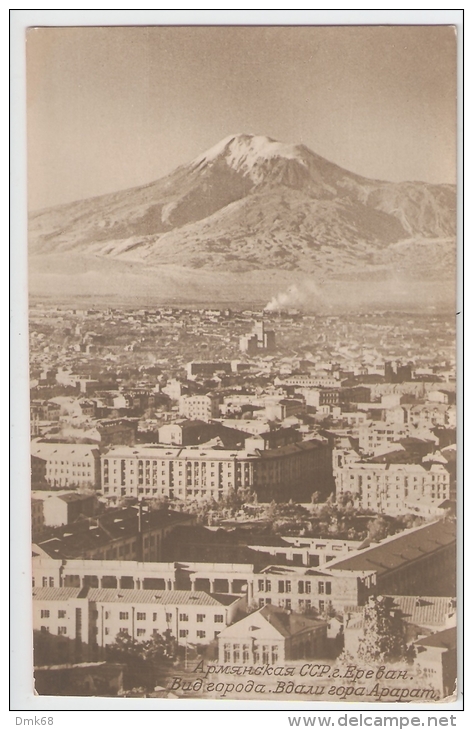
(230, 488)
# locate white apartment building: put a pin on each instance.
(68, 465)
(195, 472)
(391, 488)
(301, 589)
(199, 407)
(98, 615)
(182, 473)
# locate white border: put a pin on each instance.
(23, 702)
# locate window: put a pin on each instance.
(236, 653)
(123, 631)
(168, 617)
(200, 617)
(201, 634)
(288, 586)
(274, 654)
(300, 586)
(226, 653)
(261, 586)
(328, 588)
(261, 602)
(321, 587)
(140, 616)
(62, 630)
(246, 653)
(321, 606)
(61, 614)
(123, 615)
(288, 603)
(265, 654)
(183, 633)
(45, 582)
(268, 586)
(45, 629)
(51, 582)
(218, 618)
(183, 617)
(140, 632)
(44, 613)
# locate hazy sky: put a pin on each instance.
(109, 108)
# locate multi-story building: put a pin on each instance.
(63, 507)
(199, 407)
(196, 370)
(199, 473)
(68, 465)
(96, 616)
(379, 435)
(389, 487)
(133, 533)
(260, 339)
(37, 516)
(132, 574)
(305, 589)
(310, 551)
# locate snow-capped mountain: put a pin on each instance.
(252, 203)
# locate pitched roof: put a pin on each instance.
(400, 549)
(160, 597)
(56, 594)
(424, 610)
(70, 541)
(446, 639)
(289, 623)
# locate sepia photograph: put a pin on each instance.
(242, 298)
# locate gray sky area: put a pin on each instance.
(110, 108)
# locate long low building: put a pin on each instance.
(97, 615)
(129, 574)
(418, 561)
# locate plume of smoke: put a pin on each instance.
(306, 295)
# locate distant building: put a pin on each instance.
(395, 372)
(64, 507)
(259, 340)
(132, 533)
(390, 486)
(199, 407)
(186, 433)
(205, 370)
(67, 465)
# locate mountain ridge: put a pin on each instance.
(250, 203)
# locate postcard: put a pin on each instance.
(242, 252)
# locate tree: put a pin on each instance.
(384, 633)
(143, 659)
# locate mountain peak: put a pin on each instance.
(243, 151)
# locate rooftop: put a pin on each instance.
(400, 549)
